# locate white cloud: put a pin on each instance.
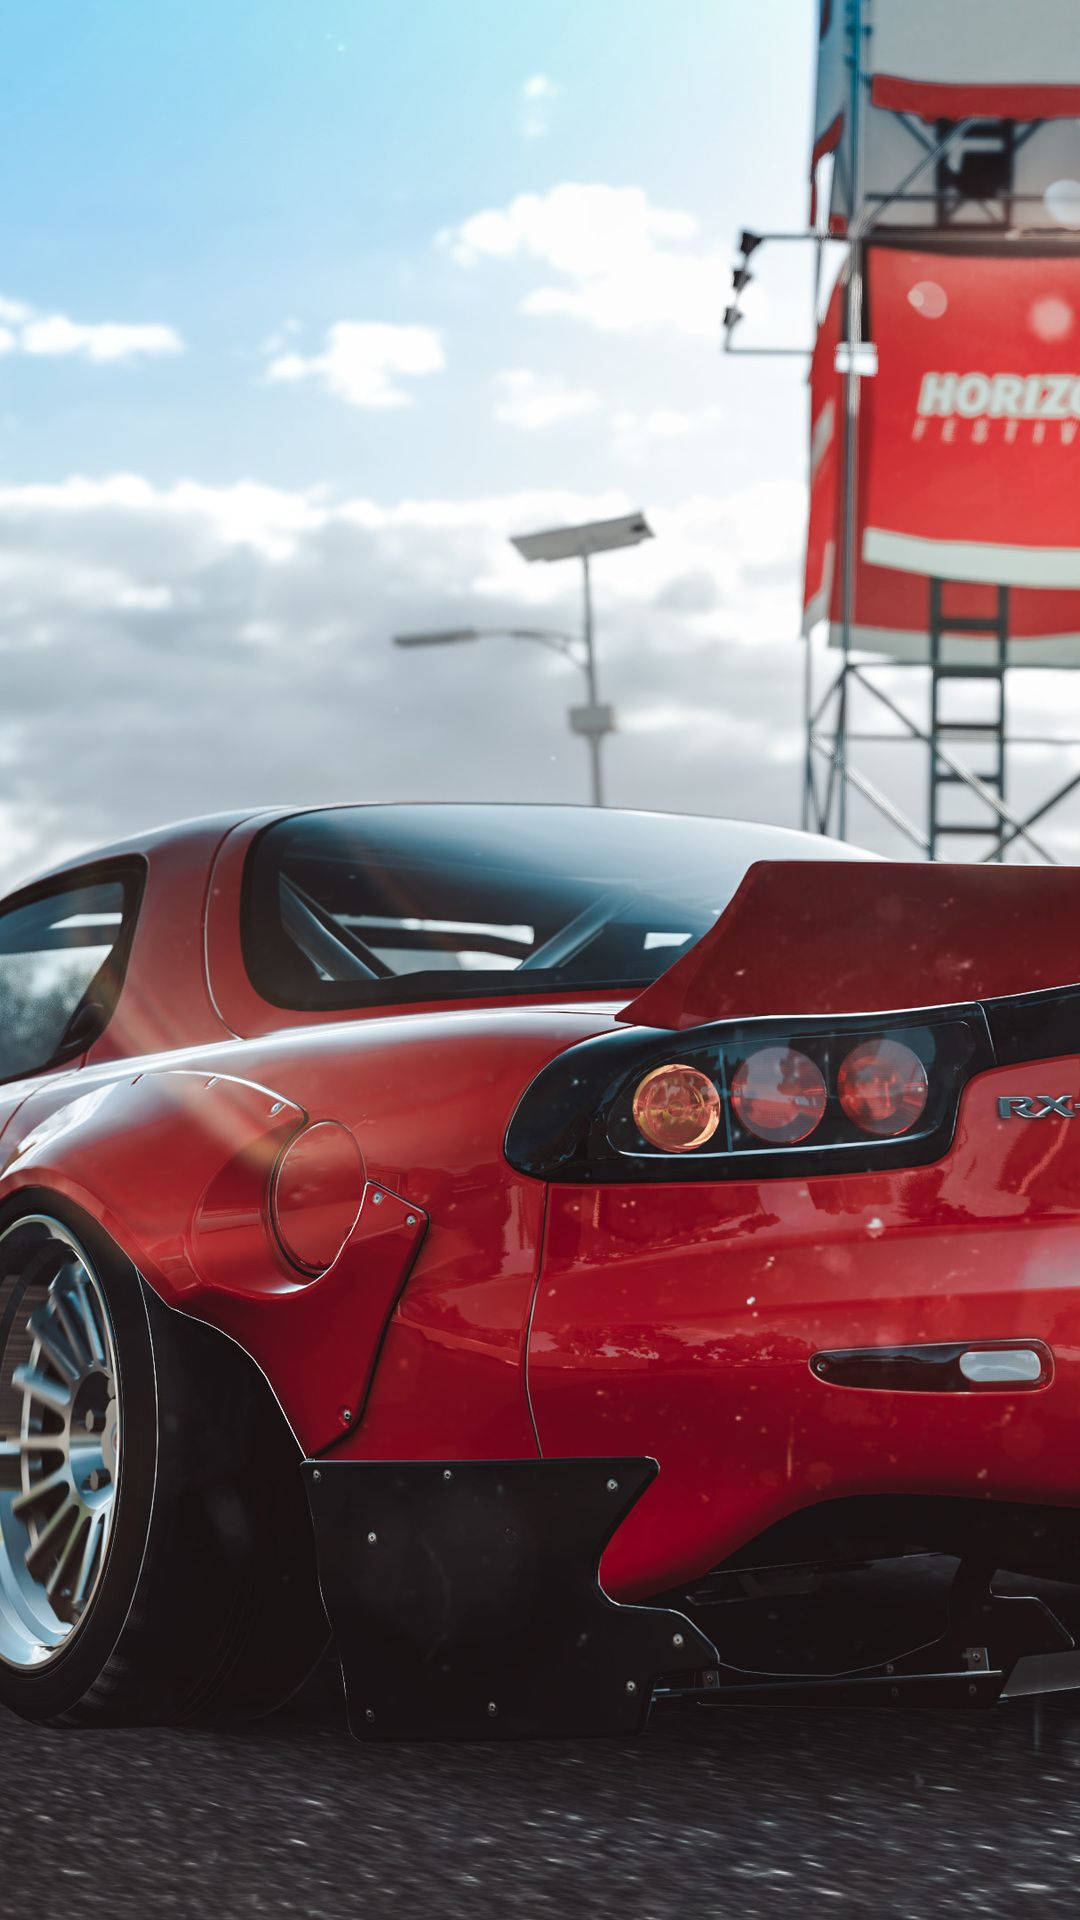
(538, 95)
(665, 423)
(362, 361)
(622, 263)
(171, 650)
(52, 335)
(534, 401)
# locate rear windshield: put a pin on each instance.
(365, 904)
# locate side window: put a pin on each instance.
(59, 971)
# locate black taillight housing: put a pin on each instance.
(803, 1096)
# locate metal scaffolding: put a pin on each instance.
(961, 191)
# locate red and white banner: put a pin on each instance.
(969, 453)
(950, 59)
(833, 84)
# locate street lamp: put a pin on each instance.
(594, 719)
(579, 543)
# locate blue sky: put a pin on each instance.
(229, 170)
(305, 306)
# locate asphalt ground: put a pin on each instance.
(722, 1812)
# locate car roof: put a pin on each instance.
(208, 830)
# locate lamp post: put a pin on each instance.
(594, 719)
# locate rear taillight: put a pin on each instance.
(779, 1095)
(749, 1100)
(676, 1108)
(883, 1087)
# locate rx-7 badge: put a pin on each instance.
(1038, 1106)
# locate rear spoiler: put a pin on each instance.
(844, 936)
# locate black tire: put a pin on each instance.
(207, 1603)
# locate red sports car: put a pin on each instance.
(588, 1259)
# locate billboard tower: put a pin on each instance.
(944, 529)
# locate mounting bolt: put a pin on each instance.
(973, 1688)
(376, 1199)
(369, 1713)
(895, 1692)
(316, 1476)
(277, 1106)
(890, 1668)
(631, 1686)
(371, 1539)
(492, 1708)
(410, 1219)
(447, 1475)
(345, 1416)
(677, 1640)
(613, 1486)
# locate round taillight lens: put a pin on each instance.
(779, 1095)
(676, 1108)
(883, 1087)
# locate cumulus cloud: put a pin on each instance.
(534, 401)
(172, 650)
(53, 335)
(538, 95)
(664, 423)
(620, 263)
(363, 361)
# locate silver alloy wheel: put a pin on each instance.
(59, 1439)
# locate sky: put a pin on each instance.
(306, 306)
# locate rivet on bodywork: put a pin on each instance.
(677, 1640)
(345, 1416)
(613, 1486)
(631, 1686)
(371, 1539)
(492, 1708)
(277, 1107)
(410, 1219)
(376, 1199)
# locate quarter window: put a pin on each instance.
(59, 972)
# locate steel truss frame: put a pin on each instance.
(933, 182)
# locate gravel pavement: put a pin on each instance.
(722, 1812)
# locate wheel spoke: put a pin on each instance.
(95, 1537)
(66, 1515)
(86, 1310)
(41, 1490)
(67, 1366)
(74, 1331)
(65, 1555)
(39, 1388)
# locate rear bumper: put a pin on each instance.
(465, 1603)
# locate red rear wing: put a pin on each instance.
(830, 937)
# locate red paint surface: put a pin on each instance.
(947, 100)
(679, 1321)
(672, 1320)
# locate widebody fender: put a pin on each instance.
(178, 1166)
